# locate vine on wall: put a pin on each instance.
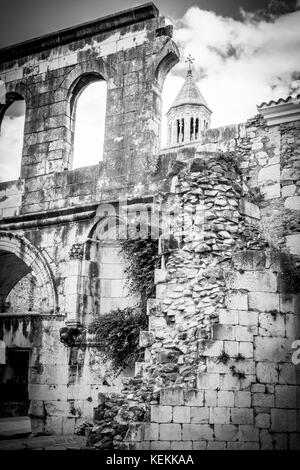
(117, 332)
(142, 258)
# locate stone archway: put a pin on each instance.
(18, 258)
(107, 280)
(20, 329)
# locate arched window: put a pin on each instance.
(196, 128)
(12, 120)
(87, 107)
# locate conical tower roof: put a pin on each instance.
(189, 94)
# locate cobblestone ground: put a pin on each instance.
(44, 443)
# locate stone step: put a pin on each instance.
(14, 427)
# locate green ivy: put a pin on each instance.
(117, 335)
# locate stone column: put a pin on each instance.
(73, 284)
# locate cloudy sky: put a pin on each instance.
(246, 52)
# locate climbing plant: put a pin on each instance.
(142, 258)
(117, 332)
(117, 335)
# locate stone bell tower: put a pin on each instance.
(189, 113)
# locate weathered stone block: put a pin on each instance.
(172, 396)
(194, 398)
(201, 445)
(292, 203)
(199, 414)
(228, 317)
(269, 173)
(267, 372)
(272, 349)
(243, 446)
(271, 325)
(161, 414)
(237, 300)
(181, 445)
(210, 348)
(246, 349)
(280, 441)
(170, 432)
(293, 243)
(160, 445)
(216, 445)
(160, 276)
(208, 381)
(263, 420)
(287, 374)
(255, 281)
(249, 209)
(266, 440)
(231, 348)
(225, 398)
(295, 441)
(230, 382)
(292, 326)
(68, 425)
(263, 400)
(181, 414)
(146, 339)
(226, 432)
(248, 318)
(219, 415)
(249, 260)
(283, 420)
(210, 398)
(286, 396)
(245, 333)
(242, 399)
(223, 332)
(36, 409)
(195, 432)
(242, 416)
(150, 432)
(248, 433)
(263, 302)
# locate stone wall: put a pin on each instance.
(218, 370)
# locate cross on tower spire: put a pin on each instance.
(190, 62)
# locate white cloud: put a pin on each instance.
(237, 64)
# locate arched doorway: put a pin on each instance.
(27, 292)
(107, 280)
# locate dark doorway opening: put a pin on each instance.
(14, 400)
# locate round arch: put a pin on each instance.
(78, 85)
(10, 98)
(26, 258)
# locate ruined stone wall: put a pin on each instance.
(51, 211)
(132, 52)
(218, 370)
